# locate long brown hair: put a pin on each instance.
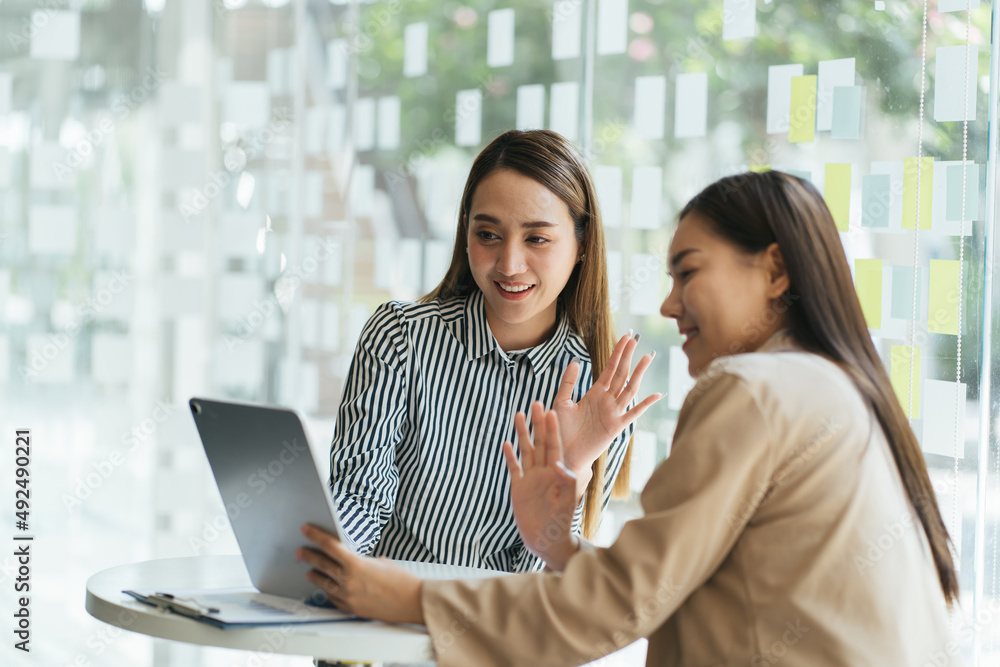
(549, 159)
(754, 210)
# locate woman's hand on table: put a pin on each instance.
(590, 426)
(542, 489)
(368, 587)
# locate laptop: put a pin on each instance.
(270, 486)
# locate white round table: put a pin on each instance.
(353, 641)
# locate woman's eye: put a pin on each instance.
(537, 240)
(487, 235)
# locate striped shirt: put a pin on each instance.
(416, 467)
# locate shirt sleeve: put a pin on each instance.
(696, 503)
(364, 477)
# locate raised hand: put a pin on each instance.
(542, 490)
(589, 427)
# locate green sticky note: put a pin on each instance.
(942, 300)
(900, 374)
(802, 121)
(910, 208)
(868, 282)
(848, 101)
(875, 199)
(902, 292)
(953, 199)
(759, 168)
(837, 192)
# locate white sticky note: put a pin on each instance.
(238, 234)
(179, 103)
(531, 107)
(955, 77)
(336, 63)
(388, 123)
(6, 92)
(362, 190)
(183, 168)
(739, 19)
(4, 167)
(364, 124)
(113, 234)
(406, 278)
(829, 75)
(110, 358)
(779, 96)
(680, 381)
(647, 193)
(957, 5)
(650, 105)
(612, 26)
(567, 21)
(50, 362)
(336, 124)
(247, 103)
(468, 117)
(608, 180)
(279, 70)
(52, 229)
(180, 296)
(437, 258)
(500, 38)
(57, 35)
(51, 167)
(894, 170)
(312, 194)
(691, 105)
(563, 102)
(645, 294)
(617, 286)
(643, 459)
(941, 417)
(415, 49)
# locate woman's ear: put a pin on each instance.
(774, 264)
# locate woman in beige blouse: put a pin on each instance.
(794, 520)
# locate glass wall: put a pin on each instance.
(210, 198)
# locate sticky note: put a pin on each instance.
(615, 279)
(802, 118)
(691, 105)
(868, 282)
(437, 254)
(608, 180)
(779, 96)
(645, 295)
(60, 363)
(563, 102)
(957, 5)
(362, 190)
(875, 200)
(280, 63)
(848, 108)
(182, 168)
(942, 304)
(956, 71)
(739, 19)
(647, 193)
(364, 124)
(52, 229)
(650, 105)
(247, 103)
(680, 381)
(567, 21)
(894, 170)
(829, 75)
(336, 63)
(500, 38)
(954, 178)
(531, 107)
(468, 117)
(388, 123)
(914, 178)
(944, 421)
(113, 234)
(6, 92)
(415, 49)
(57, 35)
(179, 103)
(612, 26)
(643, 460)
(902, 292)
(837, 193)
(899, 374)
(336, 124)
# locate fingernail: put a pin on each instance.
(629, 333)
(652, 355)
(637, 337)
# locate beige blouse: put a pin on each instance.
(777, 531)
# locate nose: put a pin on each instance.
(510, 259)
(671, 306)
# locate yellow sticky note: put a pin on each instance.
(910, 208)
(899, 374)
(868, 282)
(759, 168)
(802, 121)
(942, 304)
(837, 192)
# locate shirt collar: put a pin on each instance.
(479, 339)
(779, 340)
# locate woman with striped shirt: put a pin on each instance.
(521, 315)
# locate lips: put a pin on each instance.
(514, 296)
(689, 334)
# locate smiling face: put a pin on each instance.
(522, 250)
(725, 301)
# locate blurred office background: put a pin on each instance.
(209, 197)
